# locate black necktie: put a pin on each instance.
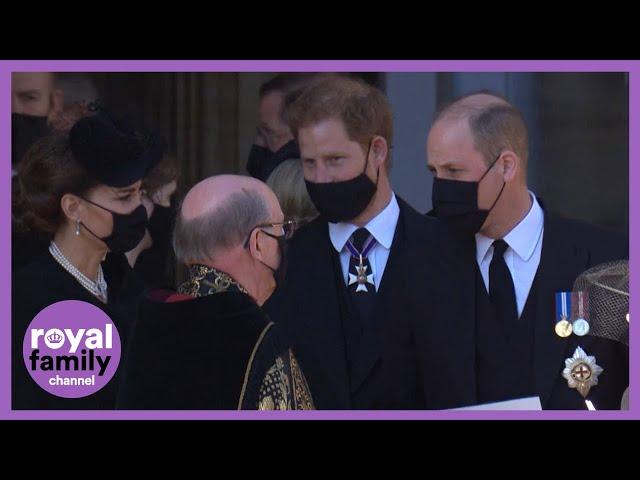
(361, 284)
(501, 289)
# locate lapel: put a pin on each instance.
(317, 314)
(560, 263)
(411, 269)
(453, 290)
(368, 352)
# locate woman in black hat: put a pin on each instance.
(83, 190)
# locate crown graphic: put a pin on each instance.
(54, 338)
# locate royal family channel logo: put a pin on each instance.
(71, 349)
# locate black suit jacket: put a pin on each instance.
(44, 282)
(307, 307)
(569, 248)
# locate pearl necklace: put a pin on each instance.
(97, 288)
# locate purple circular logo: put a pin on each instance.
(71, 349)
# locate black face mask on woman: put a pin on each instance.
(343, 201)
(128, 229)
(162, 219)
(455, 202)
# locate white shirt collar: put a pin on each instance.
(523, 238)
(382, 227)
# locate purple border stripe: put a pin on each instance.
(5, 244)
(323, 65)
(633, 67)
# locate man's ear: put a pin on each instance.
(510, 165)
(256, 248)
(380, 150)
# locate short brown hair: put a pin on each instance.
(364, 109)
(494, 126)
(498, 127)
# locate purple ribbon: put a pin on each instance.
(368, 245)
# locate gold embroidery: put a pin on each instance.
(284, 387)
(301, 393)
(266, 404)
(205, 280)
(275, 392)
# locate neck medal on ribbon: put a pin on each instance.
(361, 277)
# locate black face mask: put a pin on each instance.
(161, 221)
(280, 272)
(25, 131)
(263, 161)
(128, 230)
(343, 201)
(455, 202)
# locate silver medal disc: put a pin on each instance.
(580, 327)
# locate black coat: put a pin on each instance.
(44, 282)
(569, 248)
(307, 307)
(205, 353)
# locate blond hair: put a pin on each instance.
(287, 182)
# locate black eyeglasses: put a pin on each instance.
(288, 227)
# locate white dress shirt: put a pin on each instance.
(382, 227)
(523, 255)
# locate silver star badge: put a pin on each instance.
(361, 279)
(581, 371)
